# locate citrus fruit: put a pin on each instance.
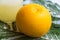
(33, 20)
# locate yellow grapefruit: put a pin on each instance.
(33, 20)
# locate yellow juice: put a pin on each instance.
(9, 9)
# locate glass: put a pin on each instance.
(8, 10)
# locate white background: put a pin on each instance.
(56, 1)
